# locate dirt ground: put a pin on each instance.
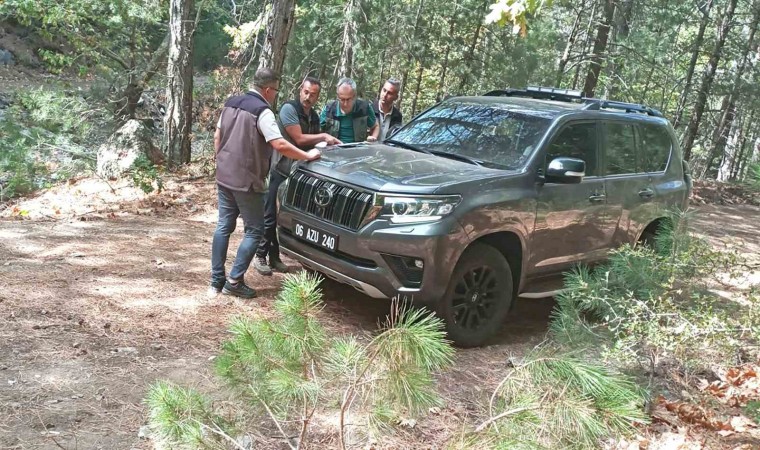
(98, 299)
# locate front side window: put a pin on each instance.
(620, 149)
(494, 135)
(655, 148)
(576, 141)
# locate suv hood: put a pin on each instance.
(385, 168)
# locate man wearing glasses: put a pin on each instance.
(348, 118)
(245, 138)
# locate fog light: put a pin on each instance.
(419, 264)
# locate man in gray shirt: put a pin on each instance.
(299, 124)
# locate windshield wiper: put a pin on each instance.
(408, 146)
(466, 159)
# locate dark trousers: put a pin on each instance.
(269, 245)
(233, 204)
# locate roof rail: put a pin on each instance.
(538, 92)
(570, 95)
(596, 104)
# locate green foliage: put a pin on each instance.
(47, 135)
(554, 400)
(19, 168)
(753, 410)
(651, 303)
(181, 417)
(55, 62)
(289, 367)
(145, 175)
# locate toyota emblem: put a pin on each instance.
(323, 197)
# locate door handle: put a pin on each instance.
(646, 193)
(597, 198)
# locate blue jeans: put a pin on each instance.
(250, 206)
(270, 245)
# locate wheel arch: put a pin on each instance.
(511, 247)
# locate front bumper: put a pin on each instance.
(361, 259)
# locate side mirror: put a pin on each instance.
(566, 170)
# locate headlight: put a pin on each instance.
(400, 209)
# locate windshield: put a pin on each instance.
(492, 134)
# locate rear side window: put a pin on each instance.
(620, 148)
(576, 141)
(655, 148)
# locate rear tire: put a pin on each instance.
(478, 297)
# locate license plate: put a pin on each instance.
(315, 236)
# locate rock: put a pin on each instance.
(144, 432)
(121, 150)
(126, 350)
(6, 58)
(245, 442)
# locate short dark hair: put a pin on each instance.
(312, 81)
(394, 82)
(265, 77)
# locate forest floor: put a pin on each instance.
(103, 290)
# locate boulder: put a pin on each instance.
(117, 155)
(6, 58)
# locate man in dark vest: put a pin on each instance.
(389, 117)
(299, 124)
(348, 118)
(246, 135)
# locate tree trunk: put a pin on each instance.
(739, 161)
(707, 80)
(445, 66)
(568, 47)
(693, 62)
(420, 70)
(126, 104)
(179, 92)
(729, 112)
(731, 151)
(586, 45)
(600, 47)
(620, 32)
(345, 66)
(415, 31)
(279, 23)
(469, 56)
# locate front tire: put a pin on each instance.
(478, 297)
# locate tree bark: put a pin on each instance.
(693, 62)
(563, 60)
(470, 56)
(179, 91)
(420, 70)
(600, 47)
(729, 112)
(345, 66)
(279, 23)
(738, 162)
(620, 32)
(445, 66)
(415, 31)
(707, 80)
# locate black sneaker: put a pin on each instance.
(238, 289)
(277, 265)
(261, 266)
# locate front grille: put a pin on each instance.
(347, 206)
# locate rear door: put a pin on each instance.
(573, 221)
(631, 192)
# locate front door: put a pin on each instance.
(574, 222)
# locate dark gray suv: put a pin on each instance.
(480, 199)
